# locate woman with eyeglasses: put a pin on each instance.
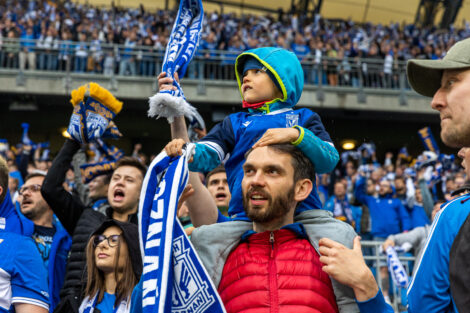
(114, 266)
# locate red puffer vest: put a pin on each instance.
(276, 272)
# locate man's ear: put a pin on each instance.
(303, 188)
(1, 190)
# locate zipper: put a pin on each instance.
(273, 290)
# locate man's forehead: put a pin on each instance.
(34, 180)
(127, 170)
(217, 176)
(265, 156)
(454, 72)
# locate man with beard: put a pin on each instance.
(388, 216)
(441, 282)
(51, 239)
(272, 263)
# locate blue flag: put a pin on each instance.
(174, 279)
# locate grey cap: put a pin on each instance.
(425, 76)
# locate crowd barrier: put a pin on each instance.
(111, 60)
(374, 258)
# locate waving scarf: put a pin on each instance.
(180, 50)
(399, 275)
(174, 279)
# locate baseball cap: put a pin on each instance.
(425, 76)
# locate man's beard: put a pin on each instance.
(276, 208)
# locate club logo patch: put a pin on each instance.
(292, 120)
(189, 291)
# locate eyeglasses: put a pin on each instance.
(32, 188)
(113, 240)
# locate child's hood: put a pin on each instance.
(285, 67)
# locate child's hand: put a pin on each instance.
(166, 83)
(175, 148)
(277, 135)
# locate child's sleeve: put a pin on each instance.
(315, 143)
(214, 147)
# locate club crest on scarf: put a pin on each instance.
(189, 290)
(174, 279)
(94, 109)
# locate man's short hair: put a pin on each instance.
(3, 178)
(134, 162)
(218, 169)
(303, 167)
(36, 173)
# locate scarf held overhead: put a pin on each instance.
(174, 279)
(180, 50)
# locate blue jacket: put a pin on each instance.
(238, 132)
(12, 220)
(61, 243)
(429, 290)
(418, 216)
(388, 215)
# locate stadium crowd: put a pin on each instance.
(63, 35)
(272, 209)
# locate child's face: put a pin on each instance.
(257, 86)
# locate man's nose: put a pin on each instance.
(258, 179)
(439, 100)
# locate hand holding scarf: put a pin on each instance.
(180, 50)
(94, 107)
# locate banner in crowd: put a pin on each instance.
(428, 140)
(174, 279)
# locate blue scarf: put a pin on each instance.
(174, 279)
(180, 50)
(399, 275)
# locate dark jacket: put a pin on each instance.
(77, 219)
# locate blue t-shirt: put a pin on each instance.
(107, 304)
(23, 279)
(43, 237)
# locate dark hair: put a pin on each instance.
(96, 283)
(3, 178)
(35, 174)
(218, 169)
(303, 168)
(134, 162)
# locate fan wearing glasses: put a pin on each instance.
(114, 267)
(51, 239)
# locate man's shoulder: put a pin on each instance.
(321, 224)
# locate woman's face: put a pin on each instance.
(105, 253)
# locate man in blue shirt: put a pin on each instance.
(433, 287)
(23, 282)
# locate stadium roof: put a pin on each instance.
(375, 11)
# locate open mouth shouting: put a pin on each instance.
(118, 195)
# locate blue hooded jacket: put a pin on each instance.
(239, 132)
(285, 67)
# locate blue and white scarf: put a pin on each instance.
(399, 275)
(180, 50)
(88, 306)
(174, 279)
